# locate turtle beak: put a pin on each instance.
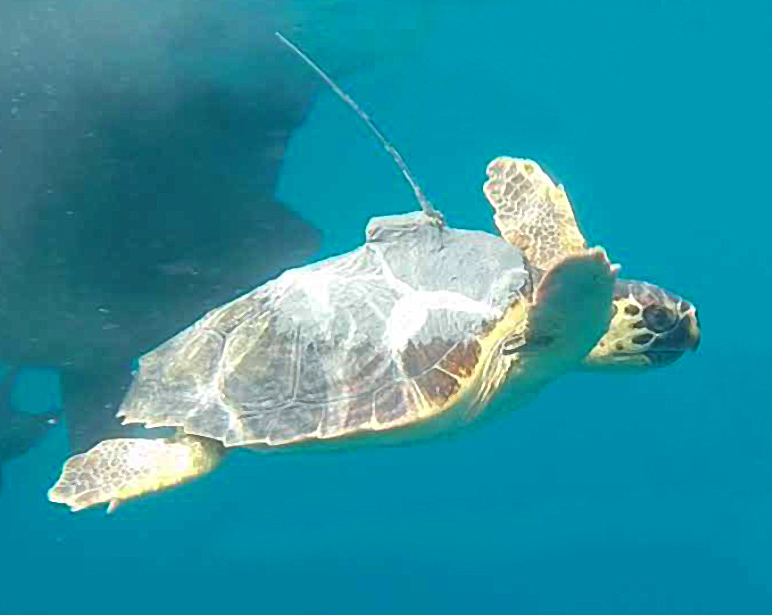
(671, 346)
(695, 333)
(691, 326)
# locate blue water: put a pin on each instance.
(609, 494)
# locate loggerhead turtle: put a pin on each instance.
(419, 332)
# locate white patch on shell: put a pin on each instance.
(411, 311)
(316, 286)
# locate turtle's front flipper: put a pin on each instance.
(126, 468)
(532, 213)
(572, 309)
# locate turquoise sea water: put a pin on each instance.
(607, 495)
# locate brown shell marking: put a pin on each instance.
(342, 401)
(274, 384)
(452, 369)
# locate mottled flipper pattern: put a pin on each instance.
(532, 213)
(125, 468)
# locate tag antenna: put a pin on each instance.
(426, 206)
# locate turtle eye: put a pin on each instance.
(659, 318)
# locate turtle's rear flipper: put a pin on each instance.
(126, 468)
(91, 401)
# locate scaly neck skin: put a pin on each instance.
(519, 367)
(509, 382)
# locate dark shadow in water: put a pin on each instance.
(137, 183)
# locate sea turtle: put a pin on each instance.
(19, 431)
(140, 151)
(421, 331)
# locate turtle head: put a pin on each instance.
(650, 327)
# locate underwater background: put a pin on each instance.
(608, 494)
